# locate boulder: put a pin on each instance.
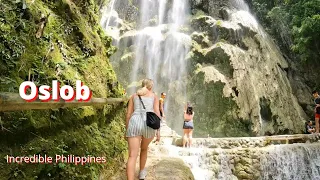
(172, 168)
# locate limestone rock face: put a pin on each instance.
(233, 51)
(237, 79)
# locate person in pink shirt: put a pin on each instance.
(188, 125)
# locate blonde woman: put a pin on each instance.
(138, 134)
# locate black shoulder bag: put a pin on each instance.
(153, 120)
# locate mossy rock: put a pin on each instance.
(215, 113)
(178, 142)
(172, 168)
(72, 47)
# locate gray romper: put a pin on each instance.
(137, 124)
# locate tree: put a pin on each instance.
(306, 39)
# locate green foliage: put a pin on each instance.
(71, 47)
(79, 140)
(307, 39)
(294, 24)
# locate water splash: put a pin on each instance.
(240, 5)
(198, 160)
(225, 169)
(299, 161)
(243, 15)
(293, 161)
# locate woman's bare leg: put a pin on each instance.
(190, 136)
(184, 138)
(134, 145)
(144, 151)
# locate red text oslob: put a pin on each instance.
(82, 92)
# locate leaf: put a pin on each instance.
(61, 165)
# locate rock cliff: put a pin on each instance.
(236, 76)
(232, 51)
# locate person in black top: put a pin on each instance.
(309, 128)
(316, 109)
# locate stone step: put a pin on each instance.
(249, 142)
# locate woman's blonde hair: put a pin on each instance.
(146, 86)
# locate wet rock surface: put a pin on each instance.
(233, 158)
(237, 78)
(230, 47)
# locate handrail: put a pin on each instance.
(13, 102)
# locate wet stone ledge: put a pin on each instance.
(250, 142)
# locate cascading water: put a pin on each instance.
(295, 162)
(110, 20)
(243, 15)
(245, 158)
(158, 49)
(161, 49)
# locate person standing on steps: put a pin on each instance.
(316, 109)
(188, 125)
(138, 134)
(161, 106)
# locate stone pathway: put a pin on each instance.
(160, 165)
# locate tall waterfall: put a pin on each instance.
(161, 48)
(156, 47)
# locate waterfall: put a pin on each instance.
(299, 161)
(275, 162)
(245, 158)
(110, 20)
(157, 46)
(161, 49)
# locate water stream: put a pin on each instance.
(295, 162)
(157, 48)
(275, 162)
